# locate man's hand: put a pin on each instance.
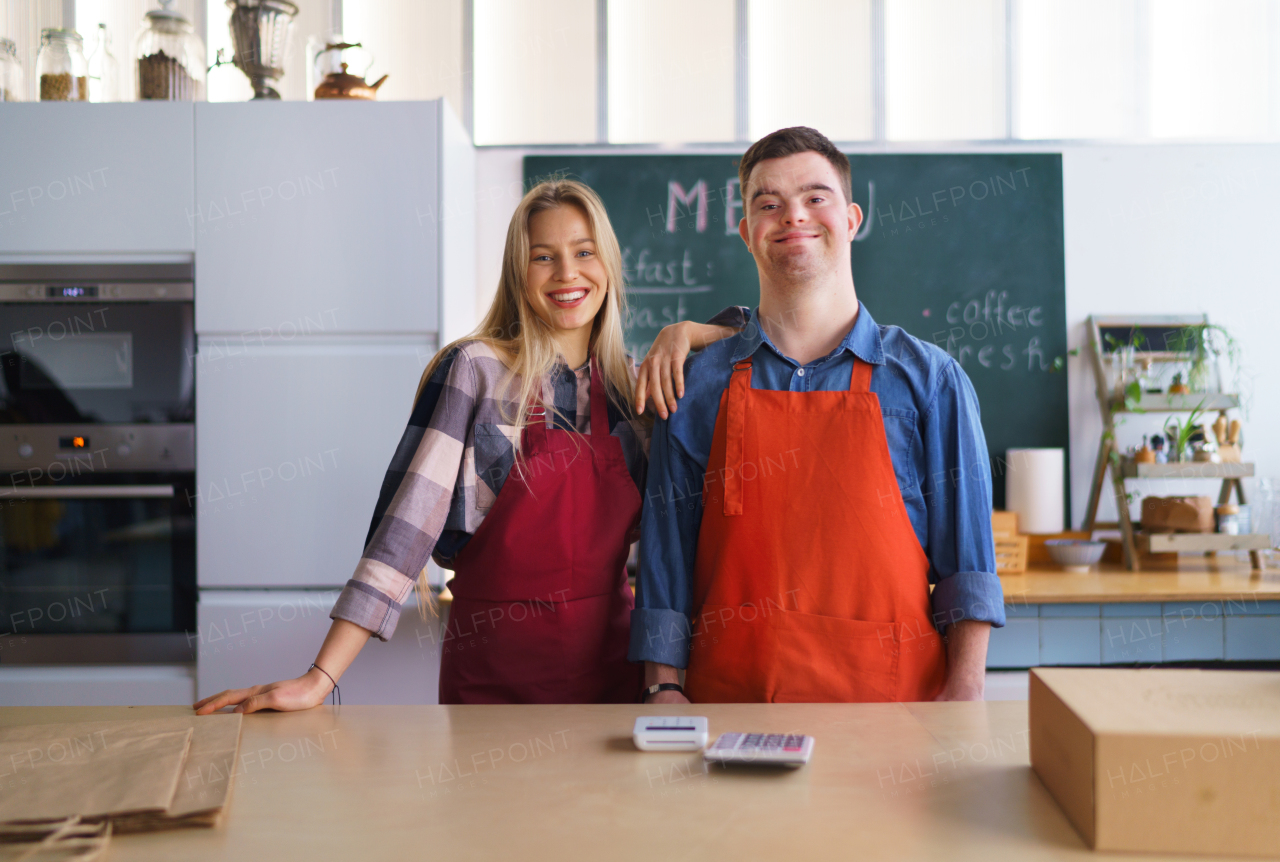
(966, 661)
(655, 673)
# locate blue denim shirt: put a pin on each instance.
(936, 443)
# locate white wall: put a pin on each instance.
(1150, 229)
(1174, 230)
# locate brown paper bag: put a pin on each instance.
(70, 840)
(204, 779)
(204, 784)
(90, 769)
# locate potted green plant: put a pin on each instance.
(1206, 344)
(1179, 433)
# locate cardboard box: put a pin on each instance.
(1162, 761)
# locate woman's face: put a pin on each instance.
(566, 280)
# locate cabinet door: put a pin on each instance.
(324, 209)
(255, 637)
(292, 443)
(96, 178)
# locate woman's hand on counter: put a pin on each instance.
(660, 377)
(288, 695)
(340, 648)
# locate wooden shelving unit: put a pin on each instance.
(1130, 469)
(1122, 468)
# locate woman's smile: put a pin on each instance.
(569, 298)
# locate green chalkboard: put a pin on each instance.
(963, 250)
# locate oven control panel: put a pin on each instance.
(58, 451)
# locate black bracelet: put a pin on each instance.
(337, 695)
(660, 687)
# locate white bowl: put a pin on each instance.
(1075, 555)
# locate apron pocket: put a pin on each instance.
(823, 659)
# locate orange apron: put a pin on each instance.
(810, 584)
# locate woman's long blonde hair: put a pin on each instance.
(526, 343)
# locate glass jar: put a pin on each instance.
(170, 57)
(11, 89)
(61, 67)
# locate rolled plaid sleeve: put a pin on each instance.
(414, 502)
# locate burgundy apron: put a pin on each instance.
(541, 607)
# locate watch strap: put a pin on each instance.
(662, 686)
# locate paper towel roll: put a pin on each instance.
(1033, 489)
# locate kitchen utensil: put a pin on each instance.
(61, 67)
(341, 85)
(331, 66)
(260, 31)
(1075, 555)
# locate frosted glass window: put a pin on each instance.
(1076, 73)
(417, 43)
(535, 71)
(1211, 68)
(831, 90)
(671, 70)
(944, 69)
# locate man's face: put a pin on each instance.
(796, 222)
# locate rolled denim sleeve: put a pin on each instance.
(669, 525)
(961, 549)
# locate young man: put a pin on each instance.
(820, 473)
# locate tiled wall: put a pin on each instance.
(1145, 632)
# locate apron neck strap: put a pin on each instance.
(599, 402)
(860, 379)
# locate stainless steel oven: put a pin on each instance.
(97, 463)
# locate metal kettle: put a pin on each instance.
(341, 85)
(338, 83)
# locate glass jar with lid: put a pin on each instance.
(11, 89)
(61, 67)
(170, 57)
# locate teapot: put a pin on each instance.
(341, 85)
(337, 82)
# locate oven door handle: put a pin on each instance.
(86, 492)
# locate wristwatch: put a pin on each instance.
(661, 686)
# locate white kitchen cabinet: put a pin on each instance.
(328, 207)
(98, 685)
(88, 178)
(253, 637)
(292, 441)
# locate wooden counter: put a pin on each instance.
(1193, 578)
(887, 781)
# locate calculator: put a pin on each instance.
(761, 749)
(670, 733)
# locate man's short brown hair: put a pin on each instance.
(788, 142)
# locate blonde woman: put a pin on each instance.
(522, 470)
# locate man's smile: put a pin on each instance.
(796, 236)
